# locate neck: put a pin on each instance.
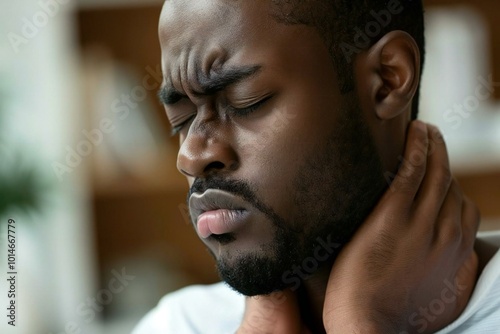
(312, 298)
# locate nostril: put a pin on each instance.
(216, 165)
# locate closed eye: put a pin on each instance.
(247, 110)
(178, 128)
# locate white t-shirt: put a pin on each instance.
(217, 309)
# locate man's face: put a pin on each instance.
(276, 157)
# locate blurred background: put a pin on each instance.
(87, 167)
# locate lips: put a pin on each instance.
(217, 212)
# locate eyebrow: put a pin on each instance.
(209, 85)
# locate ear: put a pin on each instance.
(388, 74)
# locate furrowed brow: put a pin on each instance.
(219, 81)
(209, 85)
(168, 95)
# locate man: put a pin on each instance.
(319, 196)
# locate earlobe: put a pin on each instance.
(391, 69)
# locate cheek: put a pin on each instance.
(273, 160)
(276, 147)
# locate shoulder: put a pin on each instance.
(492, 237)
(195, 309)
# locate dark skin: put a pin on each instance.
(291, 70)
(420, 235)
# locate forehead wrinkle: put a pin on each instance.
(183, 31)
(175, 78)
(182, 73)
(189, 75)
(171, 74)
(193, 70)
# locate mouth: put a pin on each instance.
(217, 212)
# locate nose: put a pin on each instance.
(202, 154)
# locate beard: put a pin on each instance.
(334, 191)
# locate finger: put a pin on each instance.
(437, 180)
(471, 218)
(448, 226)
(413, 167)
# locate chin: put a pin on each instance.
(252, 275)
(254, 269)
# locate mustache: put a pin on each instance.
(238, 188)
(235, 187)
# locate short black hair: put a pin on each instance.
(342, 24)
